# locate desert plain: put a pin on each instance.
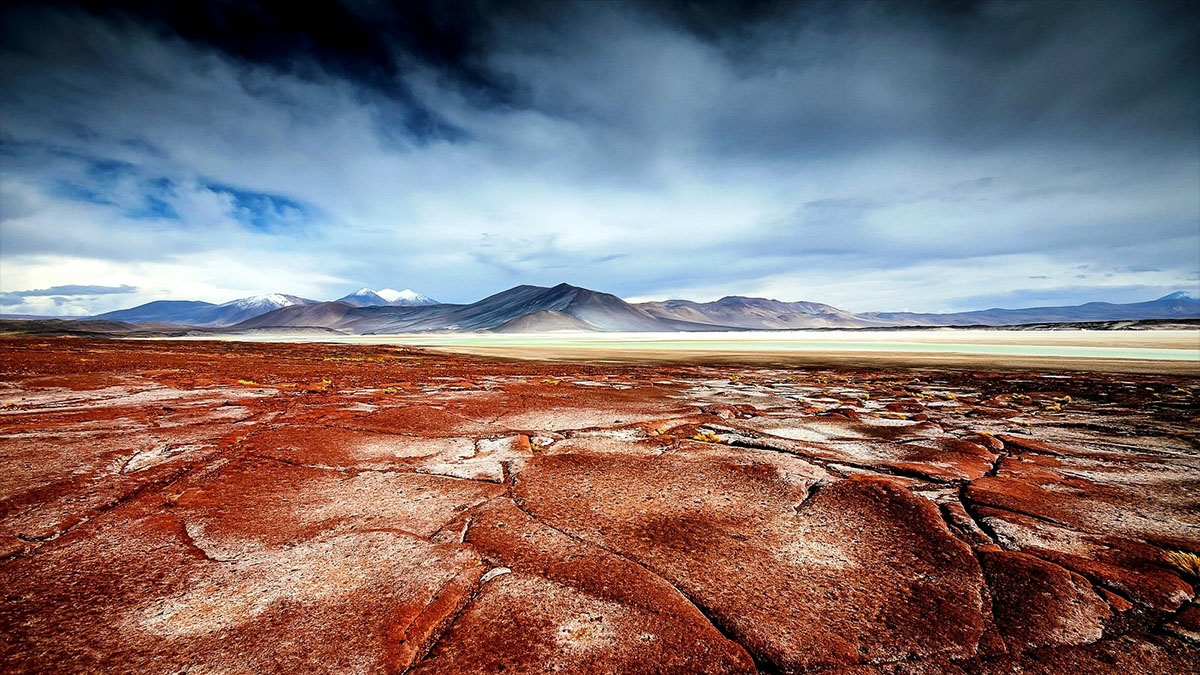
(235, 507)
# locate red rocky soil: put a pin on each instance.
(227, 507)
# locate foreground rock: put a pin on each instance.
(861, 571)
(193, 507)
(135, 593)
(558, 603)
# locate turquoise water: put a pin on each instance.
(851, 342)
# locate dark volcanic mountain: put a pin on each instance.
(602, 311)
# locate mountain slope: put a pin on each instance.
(601, 310)
(363, 297)
(194, 313)
(755, 313)
(543, 321)
(316, 315)
(247, 308)
(162, 311)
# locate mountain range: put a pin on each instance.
(206, 314)
(365, 297)
(565, 307)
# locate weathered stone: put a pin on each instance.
(1039, 604)
(1150, 655)
(1186, 624)
(862, 571)
(136, 595)
(1130, 567)
(566, 605)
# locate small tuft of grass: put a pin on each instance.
(248, 383)
(1184, 561)
(706, 437)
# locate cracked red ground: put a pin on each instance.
(226, 507)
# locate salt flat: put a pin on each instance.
(1141, 351)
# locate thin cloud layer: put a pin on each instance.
(74, 289)
(873, 157)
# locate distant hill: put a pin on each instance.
(1177, 305)
(196, 313)
(755, 313)
(166, 311)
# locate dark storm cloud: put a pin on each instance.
(369, 43)
(647, 148)
(962, 72)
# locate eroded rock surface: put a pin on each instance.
(214, 507)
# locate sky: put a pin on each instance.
(921, 156)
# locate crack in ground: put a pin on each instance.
(443, 627)
(827, 464)
(1045, 519)
(763, 666)
(103, 509)
(969, 507)
(1097, 583)
(190, 542)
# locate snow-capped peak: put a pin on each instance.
(387, 296)
(268, 300)
(1179, 295)
(392, 295)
